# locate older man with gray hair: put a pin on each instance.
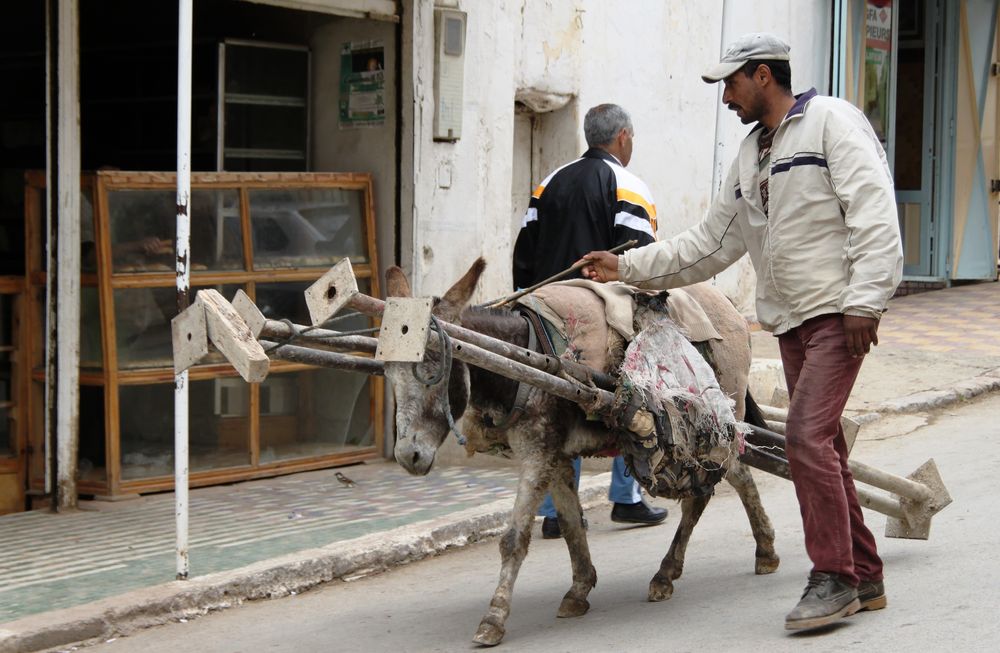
(587, 204)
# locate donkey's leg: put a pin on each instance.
(739, 477)
(661, 587)
(536, 475)
(567, 502)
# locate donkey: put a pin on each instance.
(548, 436)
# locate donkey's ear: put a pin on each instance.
(396, 284)
(458, 296)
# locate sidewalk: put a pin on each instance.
(107, 569)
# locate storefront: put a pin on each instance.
(294, 132)
(925, 74)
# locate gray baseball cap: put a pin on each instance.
(749, 47)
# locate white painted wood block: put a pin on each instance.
(232, 336)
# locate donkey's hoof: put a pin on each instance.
(766, 565)
(489, 634)
(573, 607)
(660, 589)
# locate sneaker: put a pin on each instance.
(551, 530)
(638, 513)
(826, 598)
(871, 594)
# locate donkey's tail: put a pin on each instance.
(752, 414)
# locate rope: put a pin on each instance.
(443, 374)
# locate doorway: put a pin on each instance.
(913, 149)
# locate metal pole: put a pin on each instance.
(184, 28)
(63, 221)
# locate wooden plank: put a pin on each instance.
(216, 278)
(231, 336)
(331, 292)
(321, 358)
(245, 229)
(189, 336)
(250, 313)
(109, 340)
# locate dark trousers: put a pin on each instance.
(820, 374)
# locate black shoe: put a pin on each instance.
(826, 598)
(871, 594)
(551, 530)
(637, 513)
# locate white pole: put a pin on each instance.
(184, 29)
(63, 344)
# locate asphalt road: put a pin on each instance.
(943, 593)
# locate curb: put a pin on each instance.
(941, 397)
(274, 578)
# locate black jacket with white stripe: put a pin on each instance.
(592, 203)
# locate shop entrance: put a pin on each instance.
(925, 74)
(913, 148)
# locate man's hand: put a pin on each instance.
(601, 266)
(861, 333)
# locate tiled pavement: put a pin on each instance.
(57, 561)
(962, 320)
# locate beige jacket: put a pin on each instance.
(830, 243)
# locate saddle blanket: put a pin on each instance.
(591, 316)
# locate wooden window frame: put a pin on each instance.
(111, 378)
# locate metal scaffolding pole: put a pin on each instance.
(181, 469)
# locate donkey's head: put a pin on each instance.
(421, 421)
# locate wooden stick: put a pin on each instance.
(318, 338)
(496, 303)
(322, 358)
(374, 307)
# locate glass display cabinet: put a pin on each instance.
(269, 234)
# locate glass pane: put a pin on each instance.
(6, 374)
(43, 234)
(259, 127)
(6, 430)
(314, 413)
(878, 64)
(307, 228)
(908, 166)
(143, 227)
(219, 427)
(142, 325)
(246, 164)
(266, 71)
(281, 301)
(12, 210)
(88, 245)
(92, 458)
(91, 351)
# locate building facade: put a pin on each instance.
(443, 116)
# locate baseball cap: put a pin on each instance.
(749, 47)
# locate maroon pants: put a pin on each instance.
(820, 374)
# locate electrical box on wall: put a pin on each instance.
(449, 73)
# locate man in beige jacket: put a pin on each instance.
(810, 199)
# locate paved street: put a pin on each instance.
(942, 593)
